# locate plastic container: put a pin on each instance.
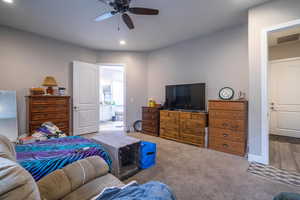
(147, 155)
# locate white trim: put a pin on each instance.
(256, 158)
(264, 157)
(284, 60)
(125, 88)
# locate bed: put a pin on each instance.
(42, 158)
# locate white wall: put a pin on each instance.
(136, 80)
(219, 60)
(262, 17)
(25, 60)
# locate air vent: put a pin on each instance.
(289, 38)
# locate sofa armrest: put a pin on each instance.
(16, 183)
(64, 181)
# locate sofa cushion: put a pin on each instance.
(16, 183)
(71, 177)
(94, 188)
(7, 149)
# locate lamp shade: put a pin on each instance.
(50, 81)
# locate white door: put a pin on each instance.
(285, 97)
(85, 98)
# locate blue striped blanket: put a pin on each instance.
(42, 158)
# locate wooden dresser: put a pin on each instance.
(54, 109)
(228, 126)
(150, 121)
(186, 127)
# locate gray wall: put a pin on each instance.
(136, 80)
(283, 51)
(25, 59)
(262, 17)
(219, 60)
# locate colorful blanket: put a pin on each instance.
(42, 158)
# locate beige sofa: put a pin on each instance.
(81, 180)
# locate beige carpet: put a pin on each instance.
(201, 174)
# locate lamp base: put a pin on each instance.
(50, 90)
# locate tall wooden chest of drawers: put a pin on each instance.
(185, 127)
(54, 109)
(150, 121)
(228, 126)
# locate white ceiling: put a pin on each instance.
(72, 21)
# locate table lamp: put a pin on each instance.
(50, 82)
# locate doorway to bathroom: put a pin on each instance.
(112, 97)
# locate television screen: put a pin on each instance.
(189, 96)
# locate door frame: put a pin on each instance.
(124, 89)
(264, 158)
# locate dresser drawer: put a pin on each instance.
(192, 139)
(235, 125)
(150, 116)
(169, 133)
(192, 127)
(222, 114)
(48, 108)
(49, 101)
(195, 116)
(169, 127)
(149, 128)
(164, 113)
(169, 114)
(48, 116)
(226, 134)
(227, 105)
(169, 121)
(149, 123)
(149, 110)
(226, 146)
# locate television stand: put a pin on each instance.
(184, 126)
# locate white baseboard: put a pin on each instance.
(257, 158)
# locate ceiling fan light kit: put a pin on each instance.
(123, 7)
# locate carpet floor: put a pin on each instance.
(202, 174)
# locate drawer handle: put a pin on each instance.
(225, 135)
(225, 145)
(235, 127)
(225, 124)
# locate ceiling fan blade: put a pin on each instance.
(143, 11)
(128, 21)
(105, 1)
(105, 16)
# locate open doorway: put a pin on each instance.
(283, 97)
(112, 98)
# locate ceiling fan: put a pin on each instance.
(123, 7)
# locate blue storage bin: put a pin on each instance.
(147, 154)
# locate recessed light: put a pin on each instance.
(8, 1)
(122, 42)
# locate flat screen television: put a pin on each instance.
(187, 97)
